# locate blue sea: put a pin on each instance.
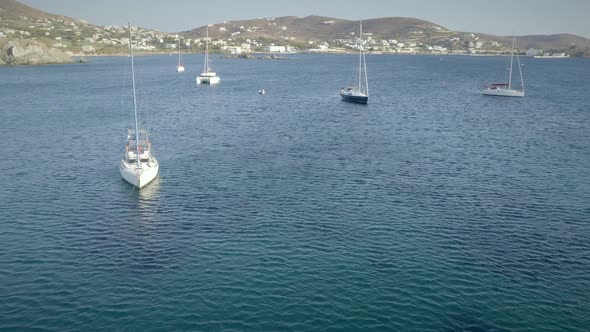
(432, 208)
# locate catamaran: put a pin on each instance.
(507, 89)
(208, 76)
(358, 94)
(180, 66)
(138, 165)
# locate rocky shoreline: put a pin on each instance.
(30, 52)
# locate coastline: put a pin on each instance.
(82, 58)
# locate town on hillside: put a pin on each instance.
(268, 35)
(83, 38)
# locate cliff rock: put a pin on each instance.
(30, 52)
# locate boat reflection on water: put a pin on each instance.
(150, 191)
(146, 199)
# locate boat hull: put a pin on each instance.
(551, 56)
(503, 93)
(208, 80)
(180, 69)
(139, 177)
(354, 99)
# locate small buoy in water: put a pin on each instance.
(261, 92)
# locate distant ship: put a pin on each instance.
(552, 56)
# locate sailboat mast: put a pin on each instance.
(519, 70)
(134, 97)
(366, 75)
(511, 61)
(206, 65)
(178, 38)
(360, 53)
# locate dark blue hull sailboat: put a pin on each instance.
(358, 95)
(353, 96)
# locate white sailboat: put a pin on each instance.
(207, 76)
(358, 94)
(180, 66)
(138, 165)
(507, 89)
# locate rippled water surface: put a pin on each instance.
(431, 208)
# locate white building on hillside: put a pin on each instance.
(276, 49)
(233, 49)
(246, 48)
(280, 49)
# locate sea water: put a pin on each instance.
(431, 208)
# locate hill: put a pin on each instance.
(564, 42)
(278, 34)
(19, 45)
(31, 36)
(320, 28)
(315, 29)
(13, 12)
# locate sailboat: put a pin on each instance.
(358, 94)
(180, 67)
(208, 76)
(506, 89)
(138, 165)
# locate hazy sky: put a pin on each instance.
(484, 16)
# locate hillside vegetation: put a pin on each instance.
(389, 35)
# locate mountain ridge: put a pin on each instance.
(10, 9)
(324, 28)
(408, 35)
(16, 8)
(330, 27)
